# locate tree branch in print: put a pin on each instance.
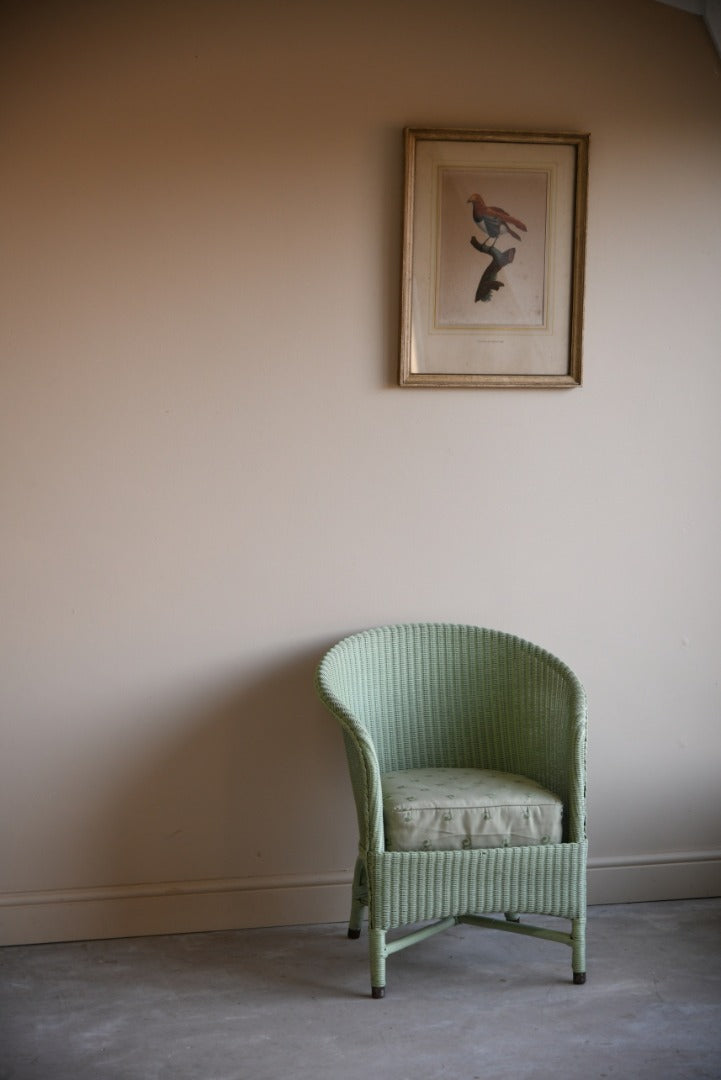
(494, 222)
(488, 283)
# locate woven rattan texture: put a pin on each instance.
(416, 886)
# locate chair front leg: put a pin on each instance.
(378, 953)
(578, 946)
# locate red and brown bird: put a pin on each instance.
(493, 220)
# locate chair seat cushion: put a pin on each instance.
(451, 809)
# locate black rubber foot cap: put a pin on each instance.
(378, 991)
(354, 934)
(579, 978)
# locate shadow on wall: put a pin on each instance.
(237, 790)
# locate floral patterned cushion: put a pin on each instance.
(448, 809)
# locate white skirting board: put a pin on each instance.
(243, 903)
(669, 875)
(177, 907)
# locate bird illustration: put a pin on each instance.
(493, 220)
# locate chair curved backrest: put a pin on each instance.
(437, 694)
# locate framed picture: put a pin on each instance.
(493, 258)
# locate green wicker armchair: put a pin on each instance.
(426, 706)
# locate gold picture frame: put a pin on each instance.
(494, 240)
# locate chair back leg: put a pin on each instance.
(359, 900)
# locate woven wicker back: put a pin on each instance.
(447, 695)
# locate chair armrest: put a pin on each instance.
(364, 772)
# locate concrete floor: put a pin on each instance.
(294, 1003)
